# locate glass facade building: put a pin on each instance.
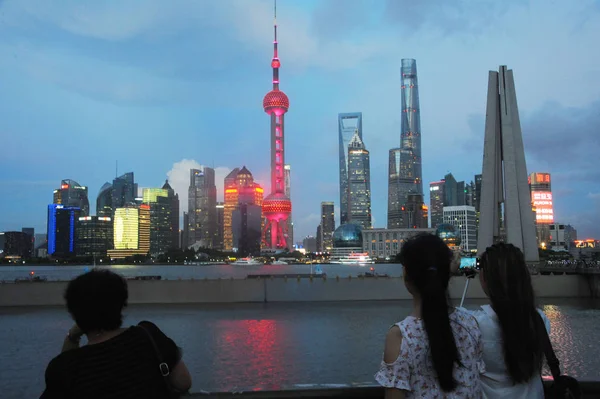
(74, 194)
(411, 175)
(93, 236)
(104, 201)
(124, 191)
(131, 231)
(348, 125)
(464, 219)
(359, 183)
(436, 203)
(61, 229)
(327, 227)
(394, 210)
(202, 211)
(160, 204)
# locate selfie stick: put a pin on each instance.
(465, 292)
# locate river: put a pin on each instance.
(270, 346)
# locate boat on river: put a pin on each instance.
(247, 262)
(354, 258)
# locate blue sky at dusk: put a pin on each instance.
(163, 85)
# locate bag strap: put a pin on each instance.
(162, 366)
(551, 358)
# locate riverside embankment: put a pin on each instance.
(279, 290)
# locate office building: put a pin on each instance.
(61, 230)
(359, 183)
(411, 175)
(327, 226)
(541, 197)
(309, 244)
(104, 206)
(349, 124)
(185, 233)
(319, 239)
(477, 192)
(558, 237)
(93, 236)
(436, 202)
(505, 210)
(161, 237)
(240, 188)
(246, 221)
(15, 245)
(202, 211)
(394, 210)
(386, 243)
(131, 232)
(220, 225)
(30, 231)
(174, 214)
(124, 191)
(72, 194)
(464, 219)
(415, 213)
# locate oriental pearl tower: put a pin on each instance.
(276, 206)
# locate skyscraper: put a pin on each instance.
(93, 235)
(359, 183)
(541, 197)
(61, 229)
(276, 207)
(436, 202)
(71, 194)
(104, 201)
(131, 231)
(220, 225)
(160, 219)
(288, 193)
(505, 210)
(202, 203)
(124, 191)
(415, 213)
(174, 217)
(477, 195)
(348, 125)
(394, 212)
(239, 189)
(411, 177)
(450, 190)
(464, 218)
(327, 227)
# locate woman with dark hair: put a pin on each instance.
(510, 326)
(436, 352)
(119, 363)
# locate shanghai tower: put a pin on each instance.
(410, 178)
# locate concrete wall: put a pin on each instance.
(277, 290)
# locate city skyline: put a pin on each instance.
(137, 97)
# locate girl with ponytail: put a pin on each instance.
(436, 352)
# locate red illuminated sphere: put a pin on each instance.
(276, 99)
(276, 204)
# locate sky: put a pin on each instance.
(164, 85)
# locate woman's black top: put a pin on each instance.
(122, 367)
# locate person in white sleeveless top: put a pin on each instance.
(510, 326)
(436, 352)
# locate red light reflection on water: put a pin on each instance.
(257, 345)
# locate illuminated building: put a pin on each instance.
(202, 211)
(477, 193)
(161, 236)
(327, 227)
(394, 211)
(464, 219)
(541, 201)
(124, 191)
(288, 193)
(415, 213)
(436, 202)
(359, 183)
(386, 243)
(348, 124)
(411, 178)
(16, 245)
(93, 235)
(104, 201)
(61, 229)
(131, 232)
(220, 225)
(319, 237)
(74, 194)
(505, 208)
(240, 188)
(276, 207)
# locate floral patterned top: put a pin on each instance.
(413, 370)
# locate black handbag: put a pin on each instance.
(163, 367)
(563, 386)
